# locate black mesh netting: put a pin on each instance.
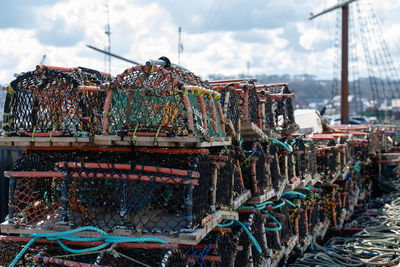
(54, 255)
(255, 169)
(49, 101)
(162, 101)
(145, 192)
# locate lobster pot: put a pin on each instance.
(268, 122)
(145, 196)
(240, 100)
(299, 219)
(244, 256)
(273, 236)
(300, 154)
(256, 225)
(256, 170)
(229, 181)
(277, 111)
(10, 249)
(253, 109)
(275, 163)
(49, 102)
(231, 105)
(361, 149)
(54, 255)
(311, 158)
(139, 191)
(282, 215)
(153, 101)
(218, 247)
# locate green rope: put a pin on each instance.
(285, 146)
(275, 220)
(283, 202)
(293, 193)
(252, 238)
(68, 235)
(290, 203)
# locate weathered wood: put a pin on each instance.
(192, 238)
(113, 140)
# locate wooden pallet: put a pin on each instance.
(306, 181)
(113, 140)
(240, 200)
(190, 238)
(293, 185)
(262, 198)
(251, 130)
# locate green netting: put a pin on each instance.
(157, 100)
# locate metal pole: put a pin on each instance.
(344, 113)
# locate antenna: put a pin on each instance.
(180, 45)
(107, 58)
(43, 59)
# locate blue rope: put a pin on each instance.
(68, 235)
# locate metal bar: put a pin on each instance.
(64, 262)
(340, 5)
(148, 178)
(113, 55)
(95, 165)
(80, 148)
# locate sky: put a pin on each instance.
(219, 36)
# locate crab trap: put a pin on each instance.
(49, 102)
(276, 108)
(142, 191)
(159, 101)
(49, 253)
(239, 102)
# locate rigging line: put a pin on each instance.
(335, 81)
(215, 14)
(378, 56)
(378, 53)
(354, 59)
(371, 73)
(209, 15)
(312, 49)
(391, 73)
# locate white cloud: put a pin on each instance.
(149, 29)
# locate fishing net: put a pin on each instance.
(244, 256)
(218, 247)
(54, 255)
(49, 102)
(118, 257)
(259, 234)
(277, 111)
(276, 178)
(255, 169)
(157, 101)
(282, 215)
(273, 236)
(141, 191)
(231, 106)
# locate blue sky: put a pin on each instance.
(219, 36)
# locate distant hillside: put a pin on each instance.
(306, 87)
